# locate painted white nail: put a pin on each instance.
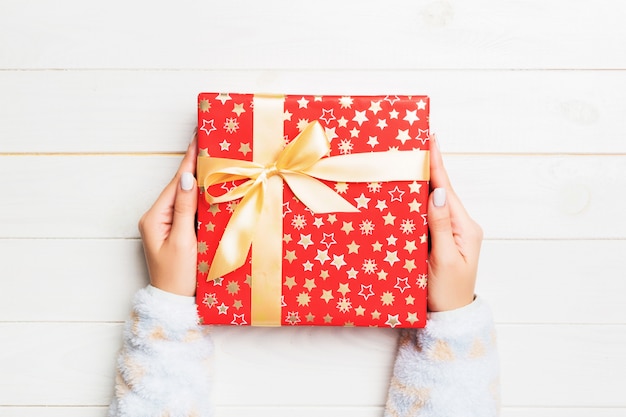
(433, 136)
(186, 181)
(439, 197)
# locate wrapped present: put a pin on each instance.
(312, 210)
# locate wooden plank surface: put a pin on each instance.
(527, 281)
(321, 34)
(278, 411)
(511, 196)
(154, 111)
(71, 363)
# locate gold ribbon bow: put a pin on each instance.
(258, 216)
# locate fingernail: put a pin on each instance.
(433, 137)
(439, 197)
(186, 181)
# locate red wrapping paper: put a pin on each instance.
(338, 269)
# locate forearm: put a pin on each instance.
(449, 368)
(163, 367)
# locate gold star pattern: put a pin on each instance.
(360, 311)
(223, 97)
(414, 206)
(210, 227)
(244, 148)
(377, 246)
(410, 246)
(290, 256)
(328, 318)
(382, 276)
(353, 247)
(389, 218)
(287, 238)
(309, 284)
(414, 187)
(410, 300)
(347, 227)
(392, 321)
(338, 261)
(409, 264)
(424, 238)
(375, 106)
(310, 317)
(332, 218)
(214, 209)
(305, 240)
(238, 109)
(342, 122)
(412, 318)
(375, 315)
(362, 201)
(324, 274)
(237, 304)
(327, 295)
(343, 289)
(290, 282)
(392, 257)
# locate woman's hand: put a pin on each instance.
(168, 231)
(455, 243)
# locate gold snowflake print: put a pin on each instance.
(344, 305)
(293, 317)
(232, 287)
(387, 298)
(231, 125)
(203, 267)
(367, 227)
(341, 187)
(345, 146)
(374, 187)
(422, 281)
(298, 221)
(209, 300)
(302, 124)
(204, 105)
(202, 247)
(304, 299)
(369, 266)
(407, 226)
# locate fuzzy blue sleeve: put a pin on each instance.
(449, 368)
(163, 368)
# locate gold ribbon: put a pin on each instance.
(257, 220)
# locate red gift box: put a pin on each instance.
(312, 210)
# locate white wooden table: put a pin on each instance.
(97, 103)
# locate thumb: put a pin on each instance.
(185, 206)
(439, 224)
